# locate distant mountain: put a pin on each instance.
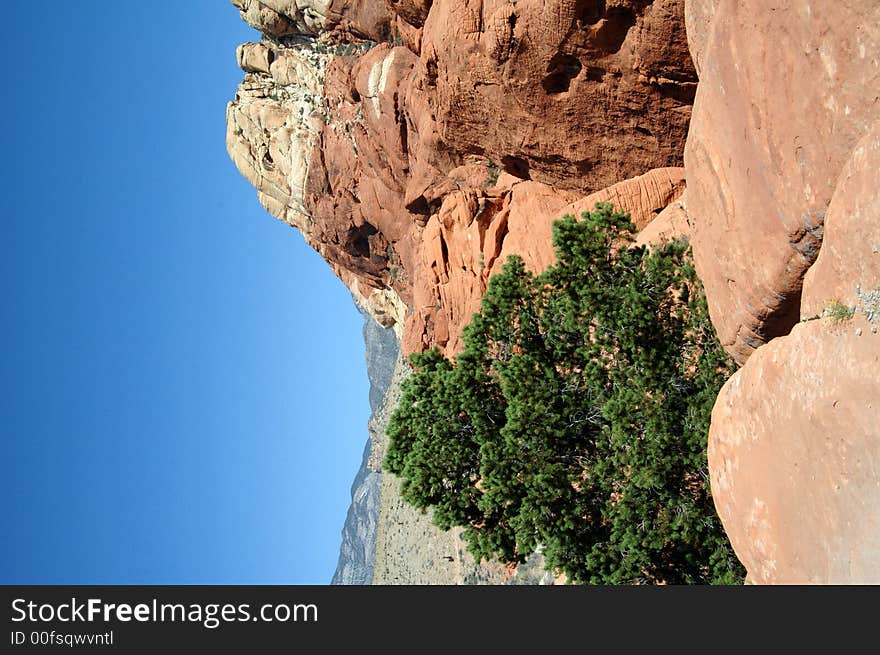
(358, 550)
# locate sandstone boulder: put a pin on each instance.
(794, 455)
(794, 445)
(698, 17)
(847, 270)
(786, 91)
(281, 17)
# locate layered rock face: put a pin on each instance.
(781, 166)
(416, 144)
(577, 94)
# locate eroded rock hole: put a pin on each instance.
(413, 13)
(595, 73)
(589, 11)
(511, 38)
(358, 240)
(444, 251)
(612, 32)
(561, 70)
(431, 72)
(584, 166)
(421, 206)
(516, 166)
(401, 119)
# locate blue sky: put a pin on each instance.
(184, 395)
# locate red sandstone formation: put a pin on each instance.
(794, 447)
(794, 456)
(786, 90)
(416, 169)
(781, 160)
(472, 235)
(847, 270)
(579, 95)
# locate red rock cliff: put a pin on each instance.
(416, 144)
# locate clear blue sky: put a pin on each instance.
(184, 395)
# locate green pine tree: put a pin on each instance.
(576, 416)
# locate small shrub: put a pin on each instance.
(838, 311)
(493, 171)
